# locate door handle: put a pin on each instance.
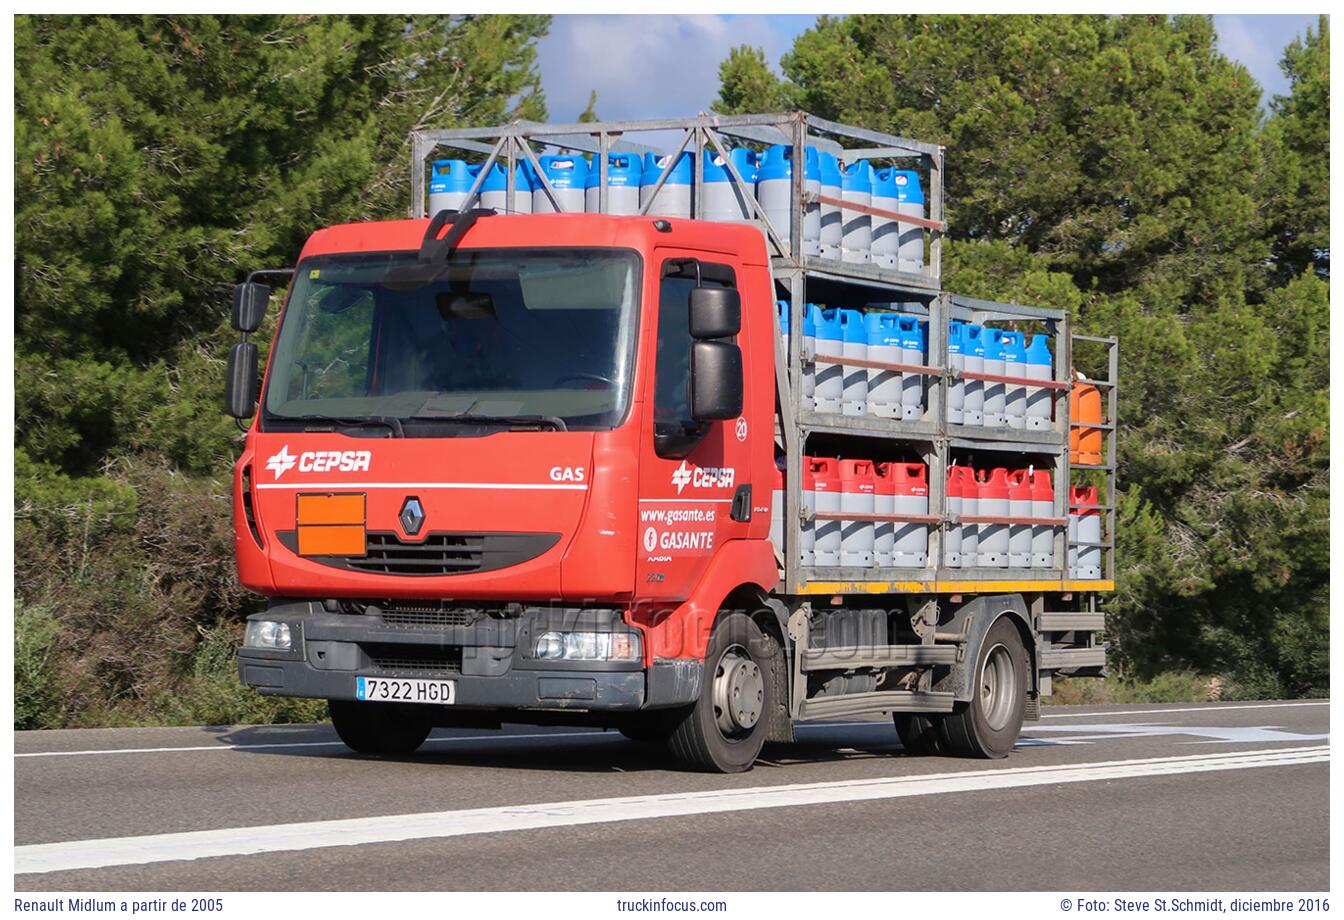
(741, 510)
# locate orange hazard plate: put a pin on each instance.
(345, 508)
(331, 524)
(331, 540)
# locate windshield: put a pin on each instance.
(498, 336)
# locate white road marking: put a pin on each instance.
(1237, 734)
(240, 841)
(1211, 707)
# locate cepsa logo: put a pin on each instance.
(319, 461)
(703, 477)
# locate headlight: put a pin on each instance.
(267, 634)
(589, 646)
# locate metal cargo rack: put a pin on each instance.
(515, 143)
(837, 283)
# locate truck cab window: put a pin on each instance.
(674, 431)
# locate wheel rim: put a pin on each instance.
(739, 692)
(998, 686)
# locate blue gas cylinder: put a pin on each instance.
(449, 183)
(624, 171)
(724, 197)
(567, 175)
(674, 198)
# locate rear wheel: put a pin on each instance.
(989, 724)
(378, 728)
(724, 730)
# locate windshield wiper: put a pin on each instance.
(355, 421)
(516, 421)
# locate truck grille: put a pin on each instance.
(439, 553)
(403, 613)
(427, 658)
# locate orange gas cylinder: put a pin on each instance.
(1084, 410)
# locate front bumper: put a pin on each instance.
(489, 660)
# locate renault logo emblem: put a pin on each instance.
(412, 516)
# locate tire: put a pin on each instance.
(989, 724)
(378, 728)
(921, 735)
(724, 730)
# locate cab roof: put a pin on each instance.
(499, 230)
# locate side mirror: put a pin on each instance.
(240, 389)
(716, 381)
(716, 313)
(249, 305)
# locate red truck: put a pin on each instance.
(523, 468)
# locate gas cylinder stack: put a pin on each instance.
(924, 439)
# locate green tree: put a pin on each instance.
(1298, 135)
(589, 113)
(747, 84)
(157, 159)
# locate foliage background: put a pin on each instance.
(1116, 166)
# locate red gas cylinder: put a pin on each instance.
(910, 545)
(1084, 497)
(884, 533)
(858, 495)
(956, 492)
(857, 477)
(1085, 530)
(1042, 507)
(909, 478)
(992, 552)
(826, 497)
(809, 528)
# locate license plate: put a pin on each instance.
(398, 690)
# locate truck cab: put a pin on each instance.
(512, 466)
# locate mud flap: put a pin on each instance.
(972, 620)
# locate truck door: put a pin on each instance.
(690, 472)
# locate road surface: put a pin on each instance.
(1174, 797)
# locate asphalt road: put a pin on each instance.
(1180, 797)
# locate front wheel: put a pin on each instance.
(988, 725)
(724, 730)
(378, 728)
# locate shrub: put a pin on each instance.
(35, 634)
